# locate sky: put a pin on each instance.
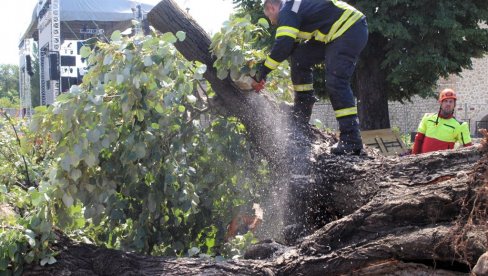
(210, 14)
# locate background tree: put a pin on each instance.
(9, 83)
(254, 8)
(412, 43)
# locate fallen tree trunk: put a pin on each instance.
(415, 224)
(423, 214)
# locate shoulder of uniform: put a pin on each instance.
(295, 5)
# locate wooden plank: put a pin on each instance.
(382, 147)
(388, 142)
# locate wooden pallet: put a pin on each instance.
(388, 142)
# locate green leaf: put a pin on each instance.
(140, 149)
(201, 69)
(169, 37)
(45, 227)
(181, 108)
(36, 198)
(116, 36)
(48, 260)
(148, 61)
(159, 108)
(67, 200)
(181, 35)
(263, 22)
(85, 51)
(31, 237)
(107, 59)
(51, 260)
(66, 163)
(120, 79)
(191, 99)
(91, 159)
(222, 74)
(93, 135)
(75, 174)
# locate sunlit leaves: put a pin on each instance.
(234, 48)
(240, 48)
(132, 150)
(116, 36)
(135, 161)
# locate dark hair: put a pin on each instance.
(272, 2)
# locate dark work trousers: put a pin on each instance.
(340, 57)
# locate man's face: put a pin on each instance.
(272, 11)
(448, 105)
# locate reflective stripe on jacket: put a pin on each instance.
(442, 134)
(323, 20)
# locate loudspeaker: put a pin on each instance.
(28, 65)
(54, 66)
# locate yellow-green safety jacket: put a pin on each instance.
(437, 133)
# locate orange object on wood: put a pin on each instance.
(243, 223)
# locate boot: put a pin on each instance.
(302, 109)
(350, 139)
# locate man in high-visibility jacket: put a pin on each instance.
(441, 131)
(312, 32)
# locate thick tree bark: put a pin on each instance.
(372, 98)
(415, 222)
(424, 218)
(364, 215)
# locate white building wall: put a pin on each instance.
(472, 104)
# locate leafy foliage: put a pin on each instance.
(419, 41)
(241, 47)
(9, 85)
(9, 81)
(25, 222)
(135, 167)
(251, 8)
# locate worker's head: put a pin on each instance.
(447, 93)
(447, 99)
(272, 10)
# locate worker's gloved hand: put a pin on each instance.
(260, 79)
(258, 86)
